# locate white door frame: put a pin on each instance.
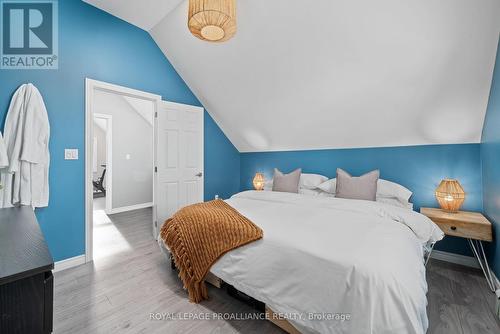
(109, 160)
(90, 87)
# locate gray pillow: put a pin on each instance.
(361, 187)
(286, 182)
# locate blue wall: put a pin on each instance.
(222, 163)
(490, 158)
(95, 44)
(419, 168)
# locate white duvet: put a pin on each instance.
(333, 265)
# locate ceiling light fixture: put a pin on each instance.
(212, 20)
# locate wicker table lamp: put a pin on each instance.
(450, 195)
(258, 181)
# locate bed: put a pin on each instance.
(331, 265)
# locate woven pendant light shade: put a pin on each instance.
(450, 195)
(212, 20)
(259, 181)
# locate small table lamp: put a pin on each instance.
(258, 181)
(450, 195)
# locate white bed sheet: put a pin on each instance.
(329, 257)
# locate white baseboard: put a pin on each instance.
(463, 260)
(130, 208)
(69, 263)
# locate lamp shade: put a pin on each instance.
(258, 181)
(450, 195)
(212, 20)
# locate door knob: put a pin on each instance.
(200, 174)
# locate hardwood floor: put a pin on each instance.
(459, 300)
(123, 287)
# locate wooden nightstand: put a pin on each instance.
(472, 226)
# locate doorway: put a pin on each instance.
(162, 147)
(101, 161)
(119, 162)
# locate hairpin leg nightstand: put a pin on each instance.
(472, 226)
(428, 251)
(478, 250)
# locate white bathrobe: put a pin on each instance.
(4, 159)
(26, 133)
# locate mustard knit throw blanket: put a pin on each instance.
(199, 234)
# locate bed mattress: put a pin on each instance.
(332, 265)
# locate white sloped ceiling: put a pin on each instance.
(143, 13)
(338, 74)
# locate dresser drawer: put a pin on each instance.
(464, 230)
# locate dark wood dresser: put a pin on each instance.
(26, 281)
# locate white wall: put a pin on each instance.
(100, 136)
(132, 150)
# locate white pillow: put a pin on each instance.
(385, 189)
(329, 186)
(311, 181)
(393, 190)
(307, 181)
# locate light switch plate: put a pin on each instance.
(71, 154)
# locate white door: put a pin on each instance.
(179, 159)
